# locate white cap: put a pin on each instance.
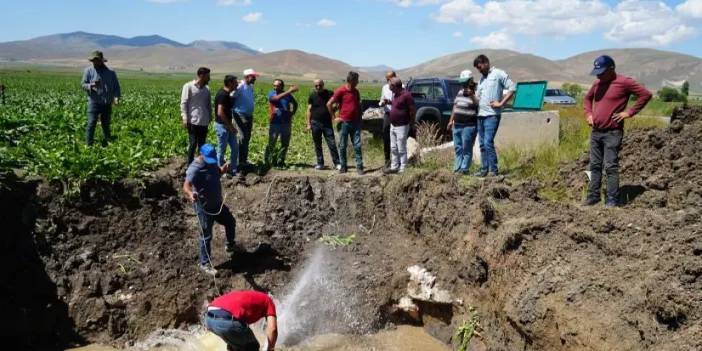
(250, 72)
(465, 76)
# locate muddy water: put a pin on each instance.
(403, 338)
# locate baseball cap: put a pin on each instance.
(250, 72)
(601, 64)
(465, 76)
(209, 153)
(97, 54)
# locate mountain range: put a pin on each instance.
(154, 53)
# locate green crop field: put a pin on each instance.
(42, 125)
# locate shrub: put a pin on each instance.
(669, 94)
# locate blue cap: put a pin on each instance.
(601, 64)
(209, 153)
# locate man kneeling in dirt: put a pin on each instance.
(230, 315)
(203, 188)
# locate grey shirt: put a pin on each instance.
(196, 104)
(104, 92)
(206, 182)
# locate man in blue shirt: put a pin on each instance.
(282, 108)
(203, 188)
(243, 114)
(102, 87)
(490, 94)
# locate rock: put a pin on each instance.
(422, 287)
(412, 149)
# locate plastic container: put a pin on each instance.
(529, 96)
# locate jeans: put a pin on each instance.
(236, 334)
(349, 129)
(398, 146)
(224, 138)
(487, 129)
(206, 221)
(320, 129)
(245, 123)
(197, 136)
(386, 138)
(605, 146)
(276, 131)
(463, 140)
(95, 111)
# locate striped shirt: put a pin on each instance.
(490, 89)
(465, 110)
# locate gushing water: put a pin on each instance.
(318, 302)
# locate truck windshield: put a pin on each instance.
(453, 90)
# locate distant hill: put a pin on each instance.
(154, 53)
(654, 68)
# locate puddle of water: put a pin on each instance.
(403, 338)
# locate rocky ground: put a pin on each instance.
(120, 261)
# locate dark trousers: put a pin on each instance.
(206, 221)
(386, 138)
(245, 123)
(604, 148)
(353, 131)
(320, 129)
(197, 136)
(104, 113)
(277, 131)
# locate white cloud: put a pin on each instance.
(410, 3)
(494, 40)
(457, 34)
(631, 22)
(647, 23)
(534, 17)
(233, 2)
(325, 22)
(690, 8)
(253, 17)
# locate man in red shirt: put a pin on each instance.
(606, 109)
(348, 100)
(230, 315)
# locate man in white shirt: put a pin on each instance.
(196, 110)
(386, 102)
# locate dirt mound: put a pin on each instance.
(658, 167)
(120, 261)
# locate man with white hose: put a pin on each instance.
(203, 188)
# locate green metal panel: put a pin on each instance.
(529, 96)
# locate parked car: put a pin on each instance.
(433, 98)
(558, 97)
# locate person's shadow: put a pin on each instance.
(629, 192)
(264, 258)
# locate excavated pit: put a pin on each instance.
(119, 262)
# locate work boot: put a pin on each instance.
(480, 174)
(360, 171)
(338, 167)
(208, 269)
(610, 203)
(591, 201)
(343, 169)
(319, 167)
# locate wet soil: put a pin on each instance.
(120, 261)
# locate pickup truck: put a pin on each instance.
(432, 96)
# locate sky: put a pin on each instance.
(397, 33)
